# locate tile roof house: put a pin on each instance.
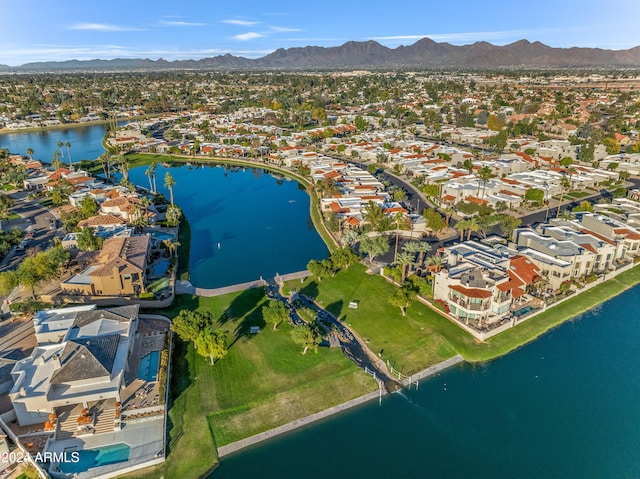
(119, 270)
(88, 364)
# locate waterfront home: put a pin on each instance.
(474, 283)
(624, 235)
(581, 256)
(120, 269)
(87, 365)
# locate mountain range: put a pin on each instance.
(424, 54)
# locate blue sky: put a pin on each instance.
(47, 30)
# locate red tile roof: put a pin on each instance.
(471, 292)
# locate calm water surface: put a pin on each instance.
(566, 406)
(244, 223)
(86, 142)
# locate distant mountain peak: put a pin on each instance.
(424, 53)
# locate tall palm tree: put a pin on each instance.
(564, 184)
(412, 247)
(60, 145)
(404, 259)
(123, 163)
(68, 145)
(472, 227)
(422, 249)
(448, 213)
(373, 214)
(436, 261)
(30, 153)
(171, 245)
(55, 161)
(485, 174)
(398, 218)
(105, 162)
(151, 174)
(169, 183)
(461, 226)
(148, 173)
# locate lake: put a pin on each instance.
(566, 406)
(86, 142)
(245, 223)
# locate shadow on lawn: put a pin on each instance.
(310, 290)
(245, 311)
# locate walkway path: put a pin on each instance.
(185, 287)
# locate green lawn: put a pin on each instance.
(263, 382)
(578, 194)
(413, 342)
(424, 337)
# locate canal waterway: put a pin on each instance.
(86, 142)
(566, 406)
(245, 223)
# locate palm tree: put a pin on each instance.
(472, 227)
(448, 212)
(55, 161)
(398, 217)
(169, 183)
(123, 164)
(151, 174)
(60, 145)
(422, 249)
(564, 184)
(171, 246)
(412, 247)
(435, 261)
(105, 162)
(373, 214)
(485, 174)
(148, 173)
(404, 259)
(566, 215)
(68, 145)
(30, 153)
(461, 226)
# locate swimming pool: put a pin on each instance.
(523, 311)
(159, 269)
(101, 456)
(148, 366)
(158, 235)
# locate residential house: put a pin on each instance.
(87, 365)
(119, 270)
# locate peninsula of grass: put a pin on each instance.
(423, 337)
(263, 382)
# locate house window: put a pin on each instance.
(127, 276)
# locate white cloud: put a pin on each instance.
(284, 29)
(242, 23)
(248, 36)
(103, 27)
(180, 23)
